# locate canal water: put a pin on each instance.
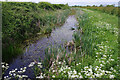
(37, 50)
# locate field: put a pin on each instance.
(93, 51)
(110, 10)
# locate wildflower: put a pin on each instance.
(5, 77)
(73, 76)
(101, 65)
(53, 76)
(6, 64)
(53, 70)
(87, 74)
(3, 66)
(59, 62)
(31, 64)
(14, 74)
(9, 72)
(20, 72)
(111, 68)
(90, 70)
(112, 76)
(97, 53)
(97, 75)
(104, 55)
(64, 71)
(68, 67)
(108, 72)
(112, 59)
(74, 72)
(95, 69)
(20, 76)
(39, 63)
(23, 71)
(107, 61)
(2, 63)
(24, 76)
(21, 68)
(15, 69)
(25, 67)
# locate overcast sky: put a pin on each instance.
(53, 1)
(71, 2)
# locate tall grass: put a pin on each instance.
(94, 56)
(99, 31)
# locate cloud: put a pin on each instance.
(78, 0)
(18, 0)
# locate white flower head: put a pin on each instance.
(53, 76)
(112, 76)
(31, 64)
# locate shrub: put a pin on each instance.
(45, 5)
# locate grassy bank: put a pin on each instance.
(100, 43)
(96, 50)
(21, 21)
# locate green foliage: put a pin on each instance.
(110, 6)
(49, 6)
(48, 30)
(101, 5)
(23, 20)
(57, 6)
(45, 5)
(77, 39)
(10, 51)
(94, 6)
(99, 32)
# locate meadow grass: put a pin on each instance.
(108, 10)
(100, 42)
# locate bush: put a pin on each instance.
(45, 5)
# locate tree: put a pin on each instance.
(101, 5)
(113, 5)
(88, 5)
(94, 6)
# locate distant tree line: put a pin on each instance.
(110, 9)
(101, 5)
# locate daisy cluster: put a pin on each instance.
(19, 73)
